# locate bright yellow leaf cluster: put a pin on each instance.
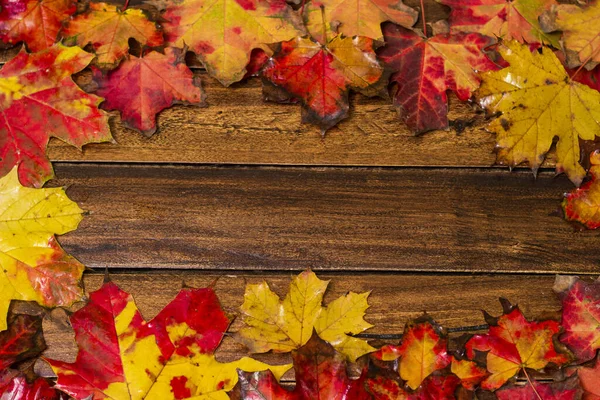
(281, 326)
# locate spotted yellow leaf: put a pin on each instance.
(33, 267)
(282, 326)
(538, 102)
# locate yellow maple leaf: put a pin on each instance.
(539, 102)
(355, 18)
(33, 266)
(281, 326)
(108, 30)
(581, 31)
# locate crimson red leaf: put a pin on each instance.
(142, 87)
(425, 68)
(14, 386)
(590, 381)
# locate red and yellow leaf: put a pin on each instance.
(582, 204)
(320, 375)
(512, 344)
(565, 390)
(580, 315)
(423, 350)
(321, 76)
(580, 28)
(469, 373)
(38, 99)
(142, 87)
(539, 103)
(108, 30)
(33, 267)
(355, 18)
(435, 387)
(424, 69)
(121, 356)
(509, 20)
(282, 326)
(223, 33)
(35, 22)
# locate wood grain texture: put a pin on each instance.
(453, 300)
(471, 220)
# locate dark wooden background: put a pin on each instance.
(242, 191)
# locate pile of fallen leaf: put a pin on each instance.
(531, 64)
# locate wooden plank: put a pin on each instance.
(453, 300)
(466, 220)
(238, 127)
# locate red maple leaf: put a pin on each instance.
(14, 386)
(22, 340)
(383, 386)
(142, 87)
(35, 22)
(565, 390)
(321, 76)
(580, 316)
(38, 99)
(513, 344)
(320, 375)
(425, 68)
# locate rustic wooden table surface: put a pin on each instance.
(242, 191)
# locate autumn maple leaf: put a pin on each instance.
(564, 390)
(23, 339)
(35, 22)
(99, 19)
(509, 20)
(356, 18)
(14, 385)
(33, 266)
(423, 350)
(321, 75)
(580, 31)
(38, 99)
(320, 374)
(121, 356)
(582, 204)
(580, 316)
(425, 68)
(469, 372)
(142, 87)
(282, 326)
(513, 344)
(223, 33)
(539, 102)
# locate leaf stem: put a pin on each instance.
(125, 5)
(531, 383)
(592, 55)
(423, 17)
